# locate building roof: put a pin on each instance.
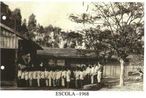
(19, 35)
(66, 53)
(12, 31)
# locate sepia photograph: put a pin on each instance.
(74, 46)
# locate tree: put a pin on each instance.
(16, 17)
(51, 35)
(118, 34)
(24, 29)
(13, 18)
(5, 11)
(72, 39)
(32, 24)
(40, 29)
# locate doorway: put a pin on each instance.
(8, 66)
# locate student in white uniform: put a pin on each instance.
(19, 78)
(30, 73)
(88, 74)
(42, 80)
(99, 75)
(38, 78)
(26, 78)
(50, 76)
(92, 75)
(81, 78)
(54, 78)
(22, 79)
(63, 77)
(34, 78)
(96, 72)
(46, 77)
(58, 75)
(77, 75)
(84, 76)
(68, 77)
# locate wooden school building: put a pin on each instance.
(66, 56)
(11, 45)
(74, 57)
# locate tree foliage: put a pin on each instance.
(16, 16)
(119, 29)
(32, 23)
(120, 32)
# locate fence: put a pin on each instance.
(113, 70)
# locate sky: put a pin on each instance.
(52, 12)
(55, 13)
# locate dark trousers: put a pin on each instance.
(22, 83)
(72, 83)
(77, 83)
(58, 82)
(95, 78)
(42, 82)
(88, 79)
(27, 83)
(80, 83)
(68, 84)
(19, 82)
(85, 82)
(34, 82)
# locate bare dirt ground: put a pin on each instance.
(129, 86)
(109, 85)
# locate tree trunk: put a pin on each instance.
(121, 73)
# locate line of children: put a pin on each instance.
(60, 78)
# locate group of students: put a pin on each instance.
(60, 77)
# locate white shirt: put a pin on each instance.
(54, 75)
(81, 75)
(30, 74)
(63, 74)
(19, 73)
(22, 75)
(97, 69)
(42, 75)
(68, 73)
(84, 73)
(34, 75)
(51, 74)
(38, 74)
(58, 75)
(46, 74)
(88, 71)
(92, 70)
(26, 75)
(77, 74)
